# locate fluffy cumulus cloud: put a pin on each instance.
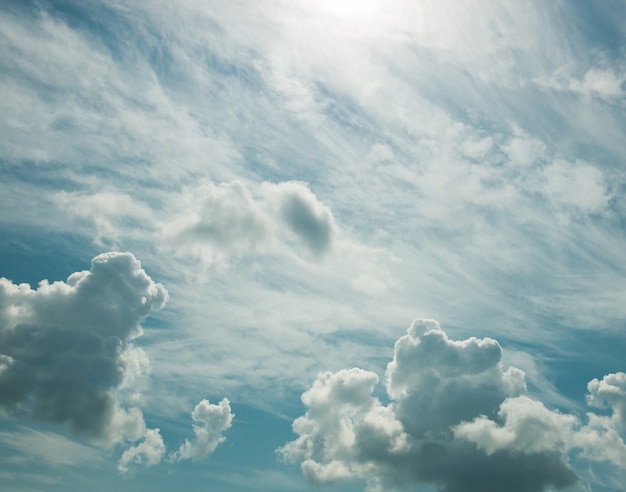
(611, 392)
(219, 220)
(343, 425)
(456, 419)
(66, 352)
(209, 423)
(527, 426)
(148, 452)
(602, 438)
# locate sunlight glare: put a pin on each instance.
(350, 10)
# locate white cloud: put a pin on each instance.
(91, 109)
(529, 427)
(456, 419)
(209, 423)
(603, 437)
(67, 347)
(577, 185)
(139, 106)
(601, 440)
(476, 147)
(343, 424)
(148, 452)
(444, 380)
(606, 84)
(573, 188)
(218, 221)
(303, 215)
(602, 83)
(524, 150)
(611, 392)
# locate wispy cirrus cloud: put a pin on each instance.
(52, 449)
(606, 84)
(305, 177)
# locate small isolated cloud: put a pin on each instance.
(209, 423)
(221, 220)
(66, 353)
(148, 452)
(303, 214)
(457, 419)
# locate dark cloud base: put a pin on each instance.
(65, 346)
(460, 468)
(62, 376)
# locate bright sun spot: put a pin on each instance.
(350, 10)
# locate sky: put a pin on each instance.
(310, 245)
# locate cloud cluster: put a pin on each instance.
(456, 419)
(527, 426)
(66, 355)
(231, 218)
(209, 423)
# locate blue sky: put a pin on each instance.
(292, 245)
